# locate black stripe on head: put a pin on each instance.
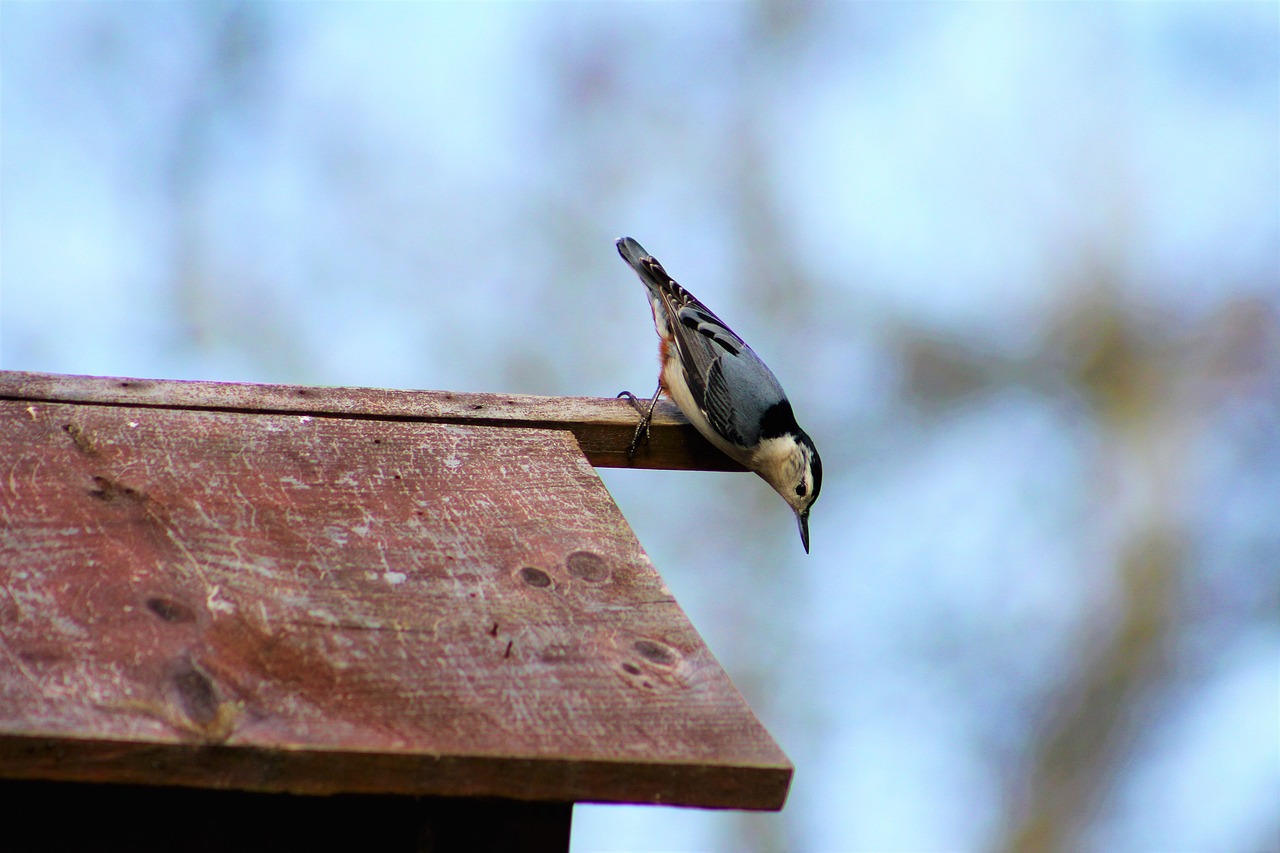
(815, 464)
(779, 420)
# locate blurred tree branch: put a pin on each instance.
(1140, 390)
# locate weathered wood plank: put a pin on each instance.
(286, 602)
(603, 426)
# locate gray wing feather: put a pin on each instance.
(737, 414)
(735, 386)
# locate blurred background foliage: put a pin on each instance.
(1018, 266)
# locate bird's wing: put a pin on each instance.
(738, 391)
(734, 385)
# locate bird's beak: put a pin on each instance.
(803, 519)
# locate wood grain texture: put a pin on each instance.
(603, 427)
(305, 604)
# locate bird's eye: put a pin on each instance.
(800, 490)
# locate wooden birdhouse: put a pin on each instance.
(273, 617)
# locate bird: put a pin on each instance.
(725, 390)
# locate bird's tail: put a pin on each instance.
(655, 278)
(633, 253)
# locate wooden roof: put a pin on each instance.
(318, 590)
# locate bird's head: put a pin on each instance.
(790, 463)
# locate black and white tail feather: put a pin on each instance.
(725, 390)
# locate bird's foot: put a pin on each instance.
(646, 415)
(633, 400)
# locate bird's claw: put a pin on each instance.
(646, 415)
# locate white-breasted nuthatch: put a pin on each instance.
(725, 390)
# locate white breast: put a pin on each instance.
(673, 378)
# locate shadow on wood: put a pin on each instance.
(135, 818)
